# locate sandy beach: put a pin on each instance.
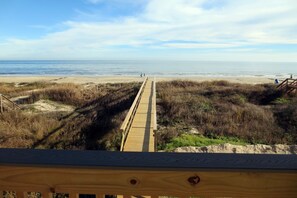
(124, 79)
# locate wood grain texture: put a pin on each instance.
(73, 195)
(21, 194)
(103, 196)
(47, 195)
(154, 183)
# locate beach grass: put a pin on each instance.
(251, 113)
(218, 112)
(93, 124)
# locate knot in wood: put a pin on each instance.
(194, 180)
(134, 181)
(52, 190)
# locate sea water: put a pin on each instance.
(149, 67)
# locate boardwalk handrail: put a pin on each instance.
(284, 83)
(4, 99)
(288, 84)
(130, 115)
(155, 126)
(143, 173)
(154, 105)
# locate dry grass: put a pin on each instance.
(19, 130)
(252, 114)
(221, 108)
(12, 89)
(93, 125)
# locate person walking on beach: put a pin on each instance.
(276, 81)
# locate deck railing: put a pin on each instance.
(125, 127)
(148, 174)
(7, 104)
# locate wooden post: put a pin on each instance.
(1, 103)
(47, 195)
(73, 195)
(20, 194)
(101, 196)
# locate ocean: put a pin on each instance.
(151, 68)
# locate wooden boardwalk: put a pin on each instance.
(139, 135)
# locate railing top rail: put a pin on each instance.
(154, 105)
(282, 83)
(146, 160)
(129, 114)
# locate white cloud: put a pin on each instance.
(94, 1)
(168, 25)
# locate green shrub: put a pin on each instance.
(281, 100)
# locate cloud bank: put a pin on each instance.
(265, 30)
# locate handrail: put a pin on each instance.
(289, 84)
(154, 105)
(283, 83)
(14, 105)
(292, 86)
(129, 118)
(155, 126)
(148, 173)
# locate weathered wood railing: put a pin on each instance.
(141, 173)
(130, 116)
(155, 126)
(7, 104)
(288, 85)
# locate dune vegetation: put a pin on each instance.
(189, 114)
(200, 114)
(93, 124)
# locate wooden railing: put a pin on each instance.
(125, 127)
(288, 85)
(155, 126)
(149, 174)
(7, 104)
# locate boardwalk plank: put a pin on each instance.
(140, 137)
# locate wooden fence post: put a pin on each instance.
(20, 194)
(1, 103)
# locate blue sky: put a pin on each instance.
(232, 30)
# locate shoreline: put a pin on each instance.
(124, 79)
